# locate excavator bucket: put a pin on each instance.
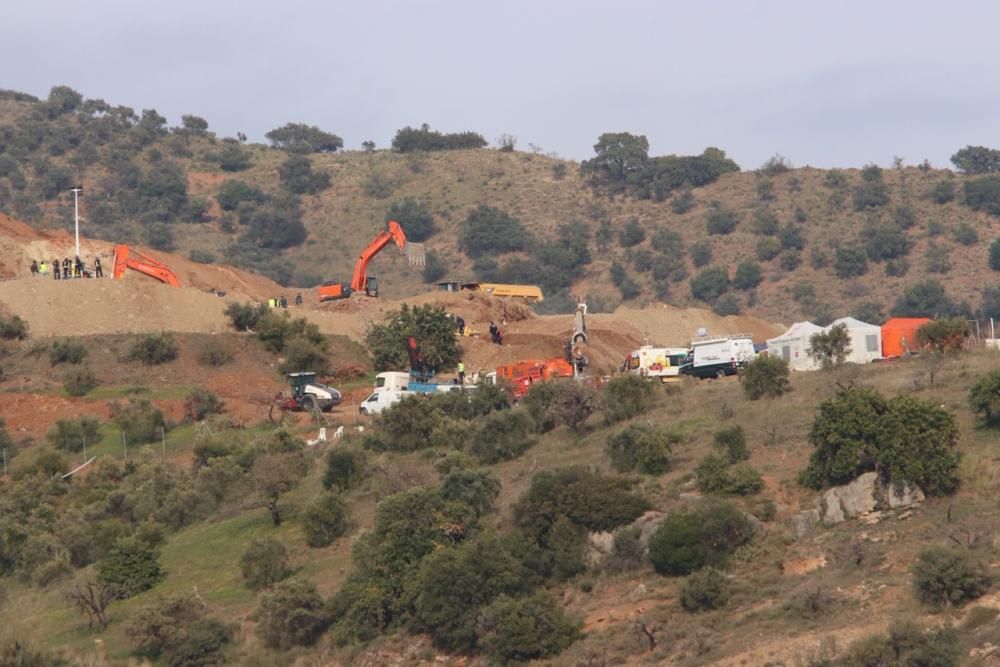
(415, 254)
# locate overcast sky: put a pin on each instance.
(823, 83)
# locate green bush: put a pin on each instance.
(948, 577)
(70, 434)
(297, 176)
(244, 316)
(79, 381)
(66, 352)
(626, 396)
(200, 256)
(645, 449)
(977, 160)
(983, 194)
(138, 420)
(405, 427)
(203, 645)
(984, 397)
(944, 335)
(491, 231)
(791, 237)
(689, 540)
(346, 468)
(885, 240)
(704, 590)
(433, 330)
(130, 568)
(667, 241)
(994, 260)
(748, 275)
(214, 354)
(477, 488)
(683, 202)
(850, 261)
(728, 304)
(764, 222)
(201, 403)
(293, 614)
(965, 234)
(410, 139)
(515, 630)
(631, 233)
(936, 259)
(872, 192)
(943, 192)
(830, 348)
(701, 253)
(716, 475)
(178, 629)
(768, 248)
(303, 354)
(926, 298)
(501, 436)
(13, 328)
(732, 444)
(765, 377)
(233, 192)
(302, 138)
(414, 216)
(264, 563)
(324, 521)
(710, 284)
(721, 221)
(905, 645)
(153, 349)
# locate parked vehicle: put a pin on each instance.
(719, 356)
(663, 363)
(381, 400)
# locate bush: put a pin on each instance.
(850, 261)
(710, 284)
(943, 192)
(501, 436)
(410, 139)
(936, 259)
(179, 629)
(153, 349)
(491, 231)
(214, 354)
(966, 234)
(728, 304)
(514, 630)
(645, 449)
(904, 216)
(732, 444)
(476, 488)
(830, 348)
(70, 434)
(415, 218)
(79, 381)
(138, 420)
(302, 138)
(765, 377)
(324, 521)
(201, 403)
(885, 240)
(983, 194)
(748, 275)
(872, 192)
(668, 242)
(234, 192)
(984, 397)
(65, 352)
(948, 577)
(130, 568)
(570, 404)
(304, 354)
(293, 614)
(683, 202)
(701, 253)
(765, 222)
(297, 176)
(626, 396)
(994, 260)
(721, 221)
(768, 248)
(433, 330)
(631, 234)
(977, 160)
(264, 563)
(245, 316)
(13, 328)
(926, 298)
(689, 540)
(791, 237)
(716, 475)
(346, 468)
(705, 589)
(203, 645)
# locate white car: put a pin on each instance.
(380, 400)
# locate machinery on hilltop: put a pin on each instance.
(126, 258)
(362, 282)
(307, 395)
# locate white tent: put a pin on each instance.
(792, 346)
(866, 340)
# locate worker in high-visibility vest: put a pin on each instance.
(461, 372)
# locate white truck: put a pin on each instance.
(381, 400)
(719, 356)
(663, 363)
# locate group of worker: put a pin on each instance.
(496, 336)
(66, 269)
(282, 302)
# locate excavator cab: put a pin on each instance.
(371, 286)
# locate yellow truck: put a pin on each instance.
(530, 293)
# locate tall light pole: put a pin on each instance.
(77, 191)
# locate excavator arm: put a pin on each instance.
(125, 258)
(393, 233)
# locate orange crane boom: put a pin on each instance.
(361, 280)
(125, 258)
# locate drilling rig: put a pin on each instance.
(576, 346)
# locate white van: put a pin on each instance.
(720, 356)
(381, 400)
(392, 381)
(656, 362)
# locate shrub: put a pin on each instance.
(130, 568)
(943, 192)
(765, 189)
(203, 645)
(748, 275)
(138, 420)
(984, 397)
(948, 577)
(515, 630)
(721, 221)
(415, 217)
(13, 328)
(346, 468)
(926, 298)
(202, 256)
(410, 139)
(791, 237)
(79, 381)
(631, 234)
(701, 253)
(302, 138)
(710, 284)
(245, 316)
(501, 436)
(689, 540)
(765, 377)
(966, 234)
(70, 434)
(153, 349)
(830, 348)
(765, 222)
(904, 216)
(645, 449)
(768, 248)
(872, 192)
(626, 396)
(776, 165)
(179, 629)
(324, 521)
(983, 194)
(977, 160)
(850, 261)
(885, 240)
(65, 352)
(303, 354)
(264, 563)
(732, 444)
(293, 614)
(214, 354)
(666, 241)
(994, 260)
(433, 330)
(297, 176)
(936, 259)
(683, 202)
(233, 192)
(476, 488)
(491, 231)
(944, 335)
(716, 475)
(201, 403)
(728, 304)
(705, 589)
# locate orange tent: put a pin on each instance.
(899, 335)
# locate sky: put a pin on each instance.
(837, 83)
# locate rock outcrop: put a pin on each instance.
(866, 497)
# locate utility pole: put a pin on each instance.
(77, 191)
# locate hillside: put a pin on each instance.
(808, 214)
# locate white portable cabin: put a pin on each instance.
(866, 340)
(656, 362)
(793, 346)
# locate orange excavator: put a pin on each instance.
(362, 282)
(126, 258)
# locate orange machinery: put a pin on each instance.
(125, 258)
(520, 375)
(362, 282)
